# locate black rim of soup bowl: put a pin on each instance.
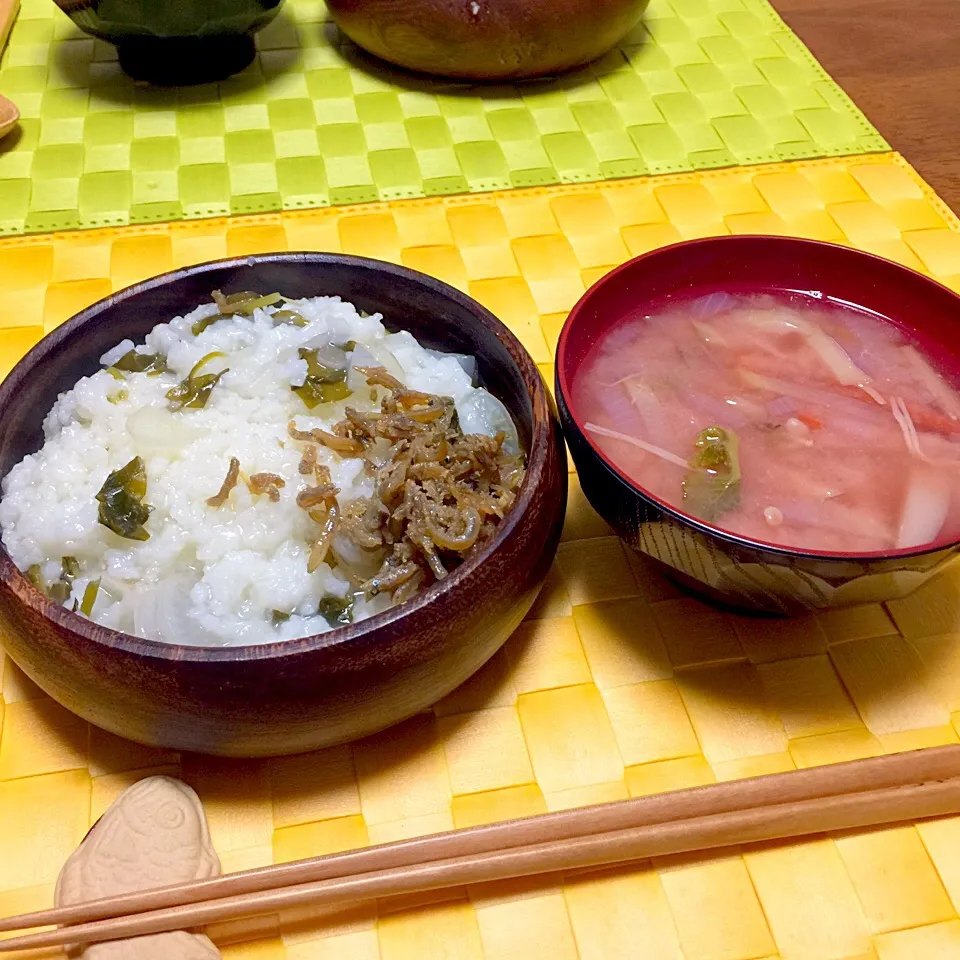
(578, 436)
(228, 272)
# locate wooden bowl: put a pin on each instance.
(291, 695)
(724, 566)
(487, 39)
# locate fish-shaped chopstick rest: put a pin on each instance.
(154, 834)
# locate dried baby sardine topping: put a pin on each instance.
(438, 492)
(268, 483)
(345, 446)
(308, 462)
(329, 520)
(316, 496)
(229, 482)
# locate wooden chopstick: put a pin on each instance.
(683, 835)
(933, 763)
(859, 775)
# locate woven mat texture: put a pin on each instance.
(700, 84)
(616, 685)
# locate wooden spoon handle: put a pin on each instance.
(8, 13)
(9, 114)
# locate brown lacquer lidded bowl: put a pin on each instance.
(302, 694)
(487, 39)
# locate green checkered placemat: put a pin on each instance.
(702, 83)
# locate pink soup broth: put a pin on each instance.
(848, 437)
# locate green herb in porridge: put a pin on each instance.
(133, 362)
(323, 384)
(122, 509)
(336, 610)
(194, 392)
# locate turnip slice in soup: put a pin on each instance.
(925, 507)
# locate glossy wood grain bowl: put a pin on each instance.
(484, 40)
(301, 694)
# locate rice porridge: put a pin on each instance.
(258, 470)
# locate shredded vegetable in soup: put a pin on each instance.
(784, 418)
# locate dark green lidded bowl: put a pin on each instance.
(176, 42)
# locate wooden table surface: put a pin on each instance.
(900, 62)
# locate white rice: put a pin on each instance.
(213, 576)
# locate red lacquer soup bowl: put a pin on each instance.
(724, 566)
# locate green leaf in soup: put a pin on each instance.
(337, 611)
(323, 384)
(712, 487)
(278, 617)
(122, 509)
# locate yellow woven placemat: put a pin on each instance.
(616, 685)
